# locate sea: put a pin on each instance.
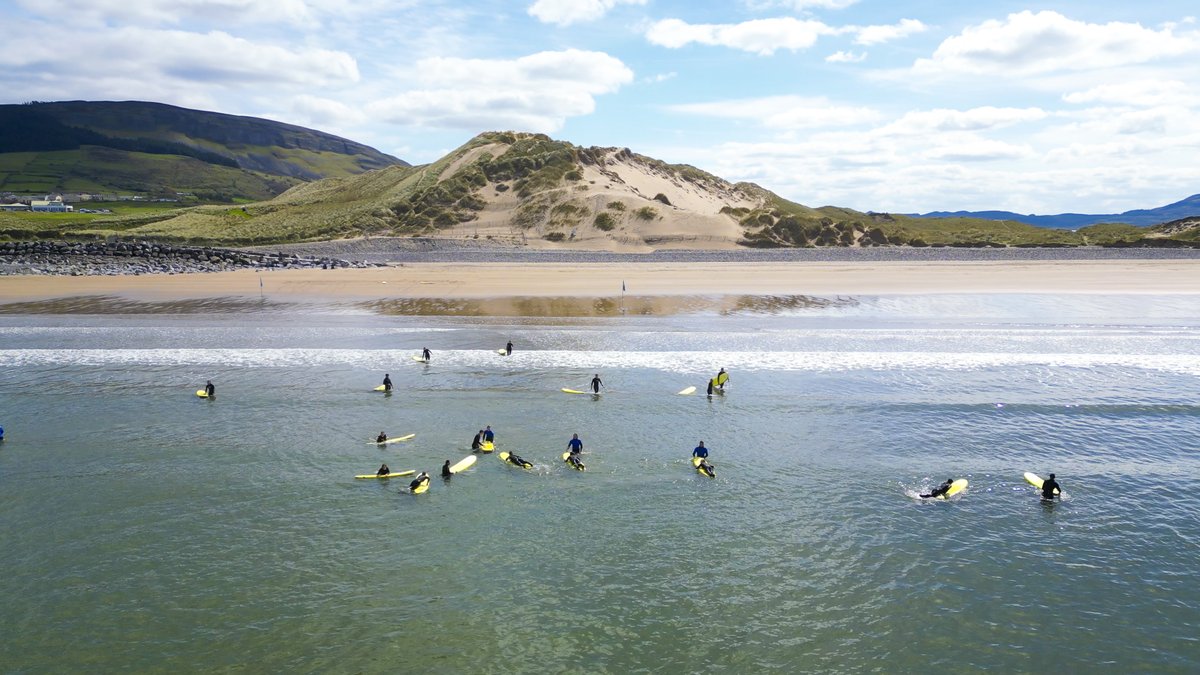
(144, 529)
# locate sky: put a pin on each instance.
(903, 107)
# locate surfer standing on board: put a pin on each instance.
(596, 384)
(1050, 488)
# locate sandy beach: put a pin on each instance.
(485, 280)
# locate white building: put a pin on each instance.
(54, 205)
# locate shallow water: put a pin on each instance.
(146, 529)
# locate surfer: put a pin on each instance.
(596, 384)
(488, 435)
(575, 445)
(575, 462)
(381, 437)
(519, 461)
(387, 382)
(1, 433)
(706, 468)
(421, 477)
(383, 470)
(508, 348)
(700, 451)
(940, 490)
(476, 441)
(209, 390)
(710, 386)
(425, 354)
(1050, 488)
(722, 380)
(446, 472)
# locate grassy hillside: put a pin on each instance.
(529, 187)
(157, 150)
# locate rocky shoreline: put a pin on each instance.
(138, 258)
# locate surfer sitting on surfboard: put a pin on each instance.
(1050, 488)
(381, 437)
(383, 470)
(596, 384)
(387, 382)
(939, 490)
(209, 390)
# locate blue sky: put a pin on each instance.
(914, 106)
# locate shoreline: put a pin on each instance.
(605, 280)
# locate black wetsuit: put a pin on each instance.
(1049, 486)
(939, 490)
(508, 349)
(710, 387)
(446, 473)
(425, 353)
(516, 459)
(475, 442)
(210, 390)
(596, 383)
(383, 471)
(387, 383)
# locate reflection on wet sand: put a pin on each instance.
(106, 304)
(601, 307)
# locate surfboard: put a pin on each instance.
(567, 458)
(721, 379)
(502, 352)
(423, 486)
(688, 391)
(390, 475)
(573, 391)
(420, 359)
(487, 446)
(381, 388)
(506, 454)
(393, 440)
(955, 488)
(464, 464)
(702, 472)
(1036, 481)
(201, 393)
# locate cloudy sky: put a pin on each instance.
(875, 105)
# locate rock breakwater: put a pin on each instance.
(116, 258)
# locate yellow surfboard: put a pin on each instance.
(955, 488)
(420, 359)
(721, 379)
(1036, 481)
(381, 388)
(701, 471)
(201, 393)
(487, 446)
(463, 465)
(572, 391)
(688, 391)
(421, 487)
(502, 352)
(390, 475)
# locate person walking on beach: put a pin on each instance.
(1051, 488)
(508, 348)
(700, 451)
(209, 390)
(575, 446)
(939, 490)
(387, 382)
(425, 354)
(488, 435)
(476, 441)
(596, 384)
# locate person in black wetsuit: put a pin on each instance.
(710, 387)
(707, 468)
(425, 354)
(383, 470)
(1051, 488)
(421, 477)
(721, 386)
(508, 348)
(387, 382)
(381, 437)
(446, 473)
(209, 390)
(940, 490)
(476, 441)
(519, 461)
(596, 384)
(574, 461)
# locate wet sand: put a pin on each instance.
(495, 280)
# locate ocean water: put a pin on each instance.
(145, 529)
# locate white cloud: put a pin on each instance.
(846, 57)
(972, 148)
(974, 119)
(566, 12)
(760, 36)
(873, 35)
(1028, 44)
(175, 12)
(324, 112)
(1138, 93)
(800, 5)
(783, 112)
(661, 77)
(533, 93)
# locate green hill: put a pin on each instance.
(159, 150)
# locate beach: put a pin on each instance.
(514, 279)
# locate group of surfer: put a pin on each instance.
(1050, 489)
(485, 435)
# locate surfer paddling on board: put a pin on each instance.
(209, 390)
(1050, 488)
(383, 470)
(575, 446)
(596, 384)
(387, 382)
(939, 490)
(508, 348)
(416, 483)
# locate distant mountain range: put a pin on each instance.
(155, 149)
(1072, 221)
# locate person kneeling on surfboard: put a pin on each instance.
(1050, 488)
(387, 382)
(383, 470)
(446, 472)
(940, 490)
(209, 390)
(381, 437)
(700, 451)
